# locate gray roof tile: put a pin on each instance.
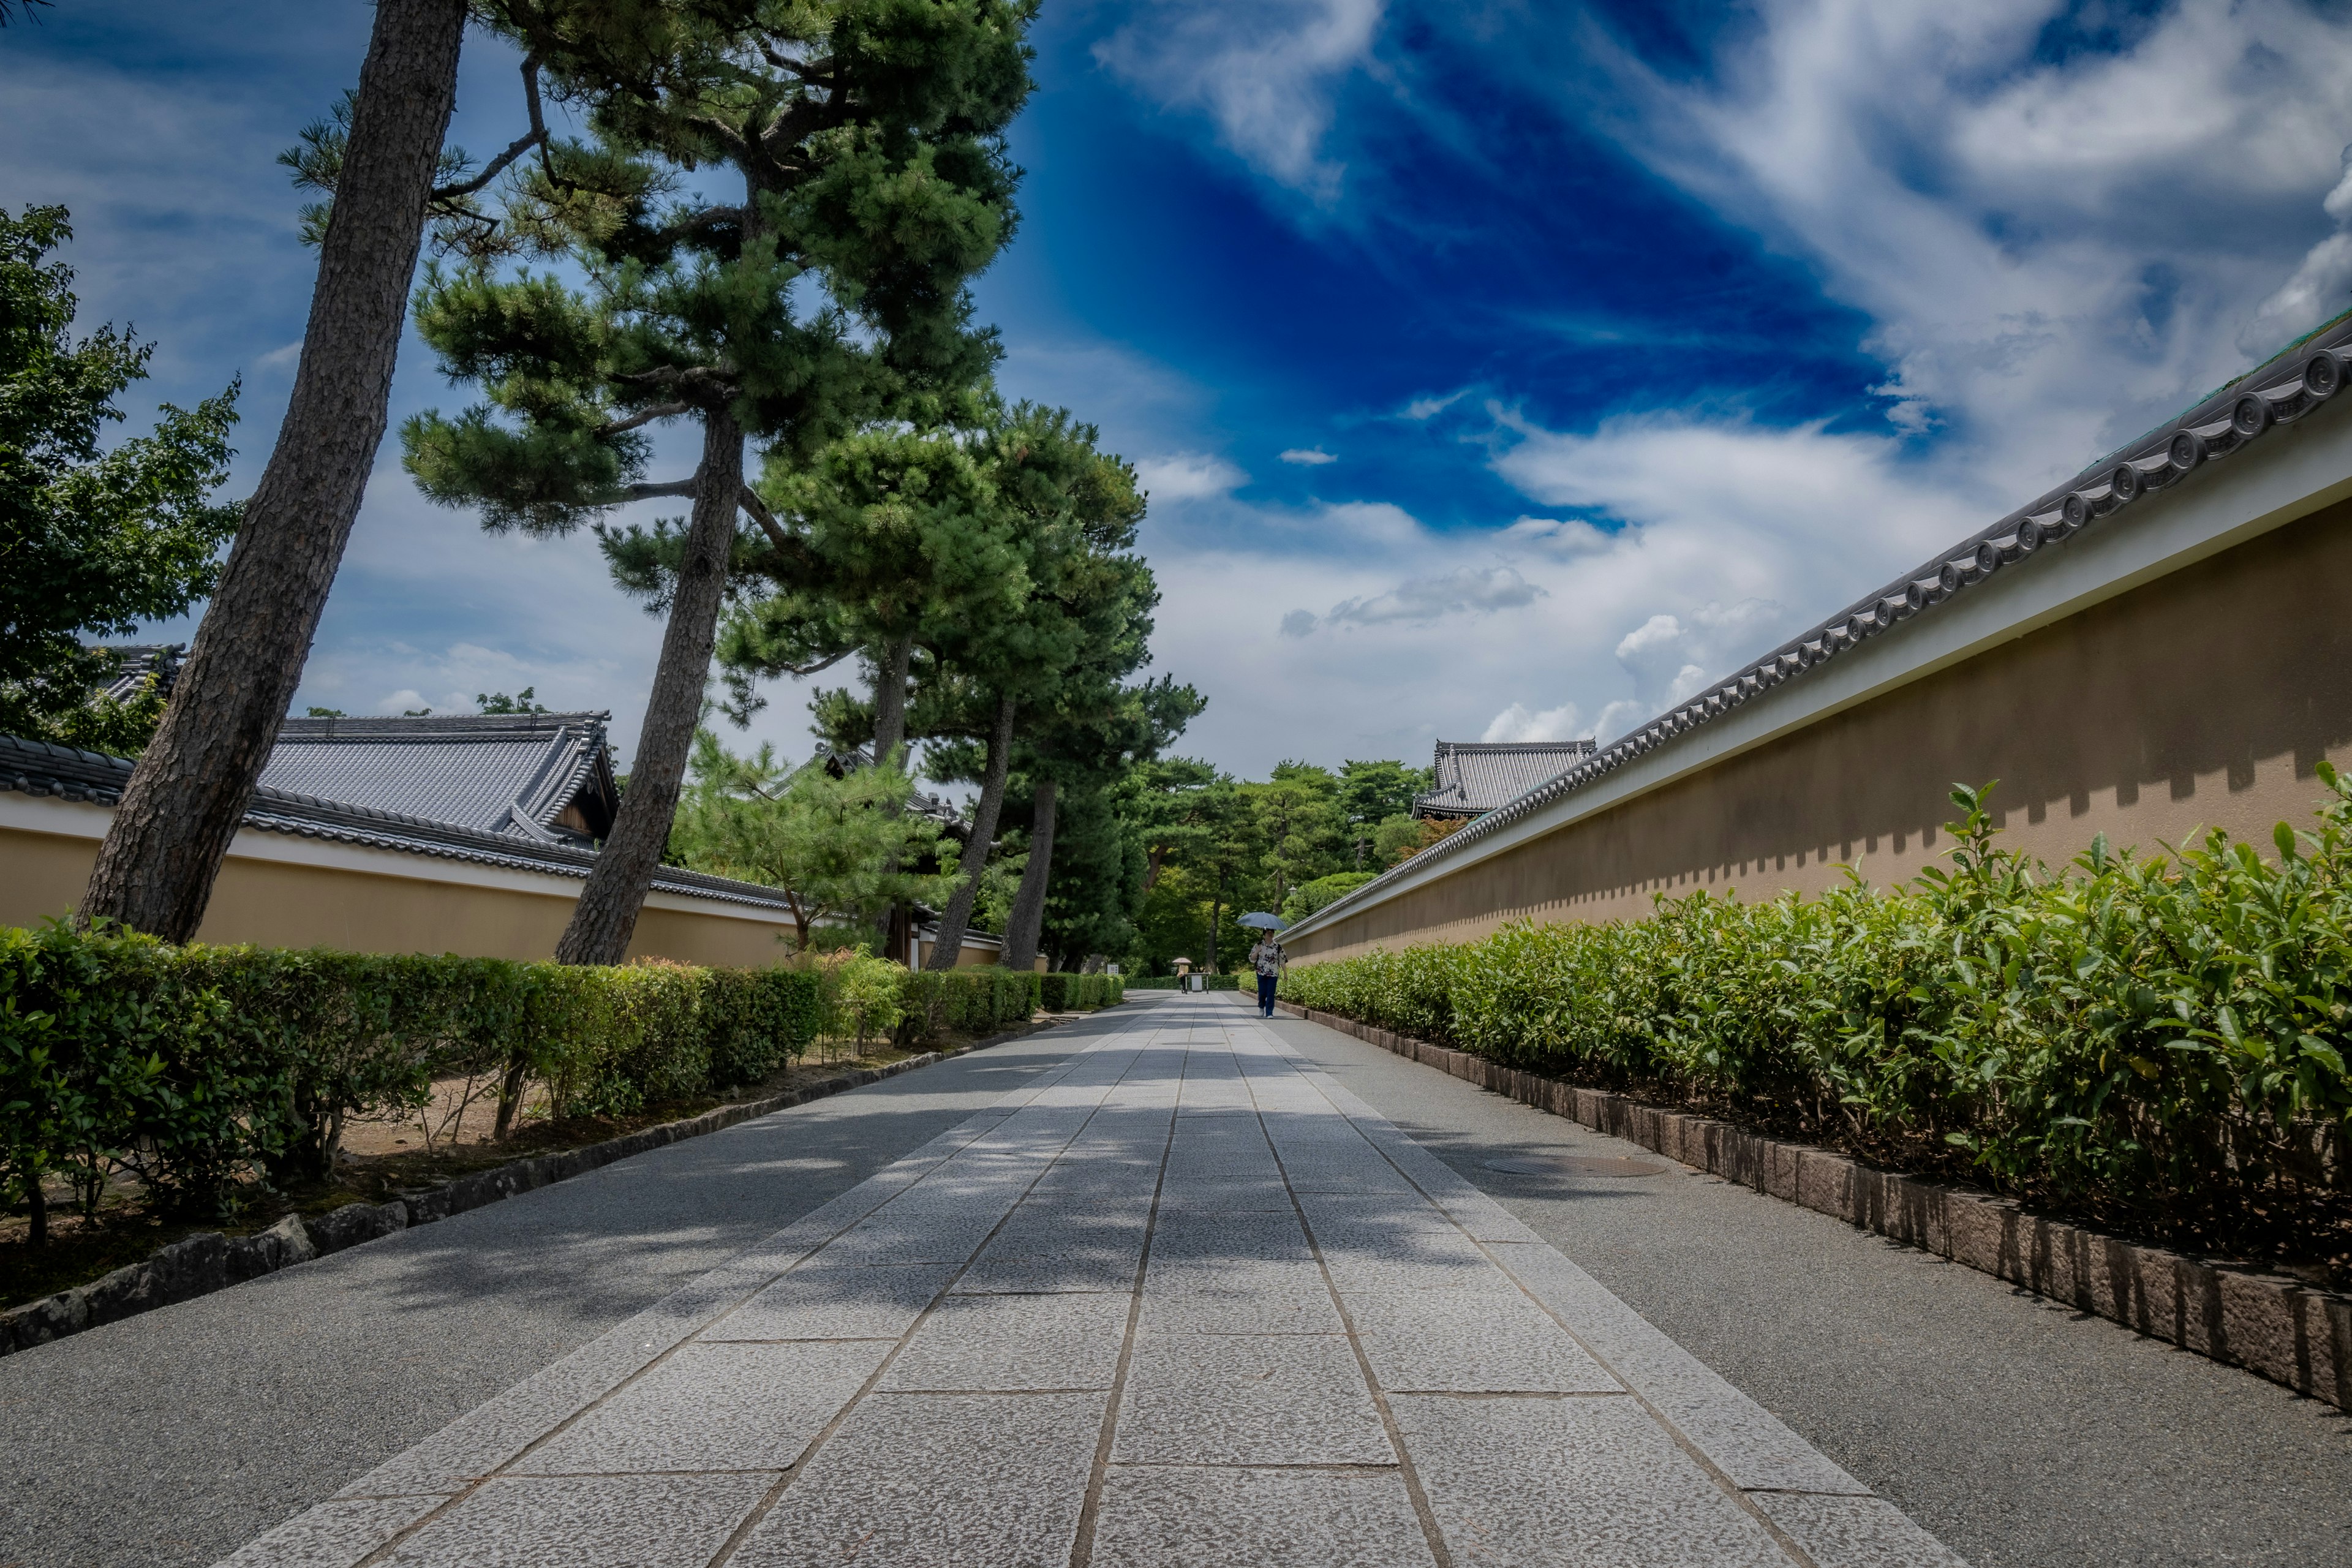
(38, 768)
(1476, 777)
(496, 773)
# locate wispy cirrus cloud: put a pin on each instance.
(1263, 71)
(1471, 590)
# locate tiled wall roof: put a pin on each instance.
(38, 768)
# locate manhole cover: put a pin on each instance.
(1575, 1165)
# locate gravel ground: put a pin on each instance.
(2016, 1431)
(176, 1436)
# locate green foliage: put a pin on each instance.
(2158, 1038)
(1304, 901)
(201, 1068)
(1373, 794)
(94, 540)
(862, 995)
(834, 847)
(497, 702)
(1078, 992)
(974, 1000)
(1300, 820)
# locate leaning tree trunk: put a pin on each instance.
(950, 946)
(607, 916)
(188, 794)
(1028, 919)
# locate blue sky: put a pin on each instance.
(1497, 369)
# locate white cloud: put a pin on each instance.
(1469, 591)
(1561, 537)
(1516, 723)
(2055, 255)
(1188, 476)
(1263, 71)
(1309, 457)
(1430, 407)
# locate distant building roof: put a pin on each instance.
(135, 662)
(38, 768)
(547, 777)
(1476, 777)
(841, 764)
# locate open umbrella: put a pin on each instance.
(1260, 919)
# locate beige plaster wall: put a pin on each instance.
(275, 904)
(2199, 700)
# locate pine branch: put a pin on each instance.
(769, 526)
(537, 138)
(644, 416)
(642, 491)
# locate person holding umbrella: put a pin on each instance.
(1267, 958)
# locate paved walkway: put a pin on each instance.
(1181, 1300)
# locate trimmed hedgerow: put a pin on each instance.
(198, 1067)
(977, 1000)
(1078, 992)
(2160, 1039)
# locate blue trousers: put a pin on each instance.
(1265, 995)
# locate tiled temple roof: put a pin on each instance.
(1474, 777)
(499, 772)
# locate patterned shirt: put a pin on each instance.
(1268, 956)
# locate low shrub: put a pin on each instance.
(2159, 1040)
(980, 999)
(1078, 992)
(195, 1068)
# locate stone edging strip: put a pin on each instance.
(2277, 1327)
(200, 1265)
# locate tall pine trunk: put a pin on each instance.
(606, 917)
(1028, 919)
(891, 696)
(189, 792)
(953, 924)
(889, 734)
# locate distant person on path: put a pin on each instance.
(1268, 958)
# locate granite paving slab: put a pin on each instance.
(1184, 1518)
(1103, 1324)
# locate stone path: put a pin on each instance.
(1183, 1301)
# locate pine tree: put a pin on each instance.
(866, 139)
(1088, 608)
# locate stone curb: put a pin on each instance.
(199, 1265)
(2277, 1327)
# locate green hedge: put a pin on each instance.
(2160, 1039)
(1078, 992)
(194, 1067)
(980, 999)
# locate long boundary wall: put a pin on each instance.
(278, 890)
(2185, 669)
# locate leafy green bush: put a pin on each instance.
(2159, 1039)
(1077, 993)
(977, 1000)
(196, 1066)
